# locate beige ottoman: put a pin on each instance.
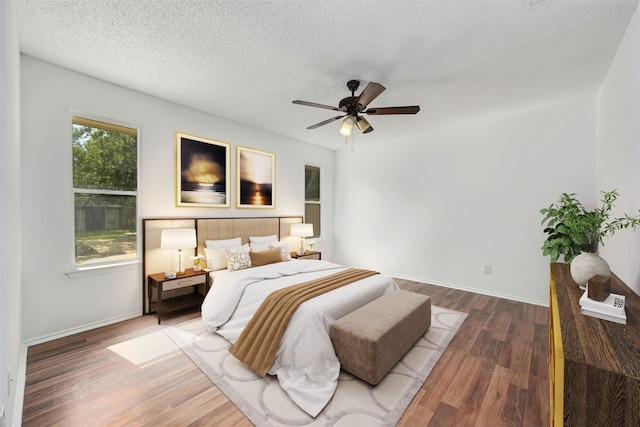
(371, 340)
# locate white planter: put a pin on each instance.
(586, 265)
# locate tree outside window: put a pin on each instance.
(105, 175)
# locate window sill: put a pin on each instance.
(102, 269)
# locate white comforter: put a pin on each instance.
(306, 364)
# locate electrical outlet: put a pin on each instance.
(486, 269)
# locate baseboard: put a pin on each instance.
(22, 364)
(21, 379)
(82, 328)
(474, 290)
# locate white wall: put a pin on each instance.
(56, 304)
(618, 143)
(438, 207)
(10, 218)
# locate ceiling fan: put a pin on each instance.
(354, 106)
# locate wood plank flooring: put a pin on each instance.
(494, 373)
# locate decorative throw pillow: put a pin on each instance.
(284, 250)
(265, 257)
(225, 243)
(238, 258)
(263, 239)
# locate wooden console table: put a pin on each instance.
(594, 364)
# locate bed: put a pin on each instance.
(305, 364)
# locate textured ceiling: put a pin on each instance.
(247, 60)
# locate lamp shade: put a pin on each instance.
(178, 238)
(302, 230)
(364, 125)
(347, 125)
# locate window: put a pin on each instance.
(105, 182)
(312, 201)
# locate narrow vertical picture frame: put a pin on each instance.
(256, 178)
(203, 168)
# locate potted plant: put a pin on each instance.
(573, 230)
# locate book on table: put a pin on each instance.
(612, 308)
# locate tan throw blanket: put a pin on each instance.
(260, 339)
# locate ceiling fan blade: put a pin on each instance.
(317, 125)
(369, 93)
(393, 110)
(313, 104)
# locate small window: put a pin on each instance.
(105, 183)
(312, 202)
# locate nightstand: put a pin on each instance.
(307, 255)
(190, 278)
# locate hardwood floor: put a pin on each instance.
(494, 373)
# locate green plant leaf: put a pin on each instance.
(570, 228)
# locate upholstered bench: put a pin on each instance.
(372, 339)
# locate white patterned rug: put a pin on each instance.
(354, 403)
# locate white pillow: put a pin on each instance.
(284, 249)
(259, 247)
(216, 258)
(226, 243)
(238, 258)
(263, 239)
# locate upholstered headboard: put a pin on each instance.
(229, 228)
(156, 260)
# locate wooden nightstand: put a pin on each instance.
(190, 278)
(307, 255)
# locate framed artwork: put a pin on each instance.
(256, 176)
(202, 169)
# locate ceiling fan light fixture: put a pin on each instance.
(347, 125)
(363, 125)
(352, 106)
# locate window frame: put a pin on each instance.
(98, 266)
(319, 236)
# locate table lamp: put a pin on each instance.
(302, 231)
(178, 238)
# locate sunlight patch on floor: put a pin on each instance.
(186, 337)
(145, 349)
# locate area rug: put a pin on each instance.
(354, 403)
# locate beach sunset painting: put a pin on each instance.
(256, 178)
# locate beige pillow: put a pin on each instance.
(265, 257)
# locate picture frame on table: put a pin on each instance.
(255, 178)
(203, 168)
